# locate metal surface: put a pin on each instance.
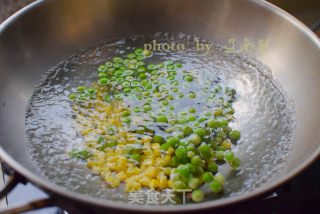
(46, 32)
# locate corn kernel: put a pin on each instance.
(146, 139)
(154, 184)
(152, 172)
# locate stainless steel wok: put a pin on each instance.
(39, 36)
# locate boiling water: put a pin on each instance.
(263, 113)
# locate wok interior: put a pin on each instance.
(53, 30)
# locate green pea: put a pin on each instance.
(81, 88)
(148, 99)
(235, 163)
(116, 65)
(162, 119)
(142, 76)
(144, 82)
(193, 182)
(131, 56)
(146, 93)
(108, 64)
(72, 96)
(170, 67)
(196, 160)
(140, 63)
(104, 81)
(234, 135)
(172, 141)
(213, 124)
(175, 83)
(191, 148)
(207, 177)
(192, 110)
(182, 120)
(138, 51)
(191, 95)
(180, 95)
(229, 156)
(136, 157)
(137, 110)
(179, 185)
(213, 167)
(126, 84)
(101, 74)
(120, 79)
(173, 73)
(195, 139)
(187, 130)
(148, 86)
(192, 118)
(141, 69)
(152, 66)
(205, 151)
(216, 186)
(165, 102)
(139, 57)
(221, 134)
(181, 152)
(147, 108)
(219, 178)
(219, 155)
(174, 90)
(125, 113)
(164, 146)
(158, 139)
(126, 90)
(117, 59)
(102, 68)
(118, 72)
(200, 131)
(178, 65)
(218, 112)
(126, 120)
(190, 154)
(171, 108)
(137, 89)
(85, 154)
(188, 78)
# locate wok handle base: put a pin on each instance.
(9, 185)
(33, 205)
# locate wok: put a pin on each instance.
(46, 32)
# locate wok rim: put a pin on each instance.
(46, 185)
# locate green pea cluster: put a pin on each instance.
(180, 111)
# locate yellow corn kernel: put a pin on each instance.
(226, 144)
(155, 146)
(148, 152)
(170, 150)
(170, 184)
(146, 139)
(90, 163)
(115, 182)
(132, 186)
(148, 161)
(121, 176)
(157, 153)
(145, 181)
(167, 170)
(154, 184)
(152, 171)
(163, 182)
(131, 138)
